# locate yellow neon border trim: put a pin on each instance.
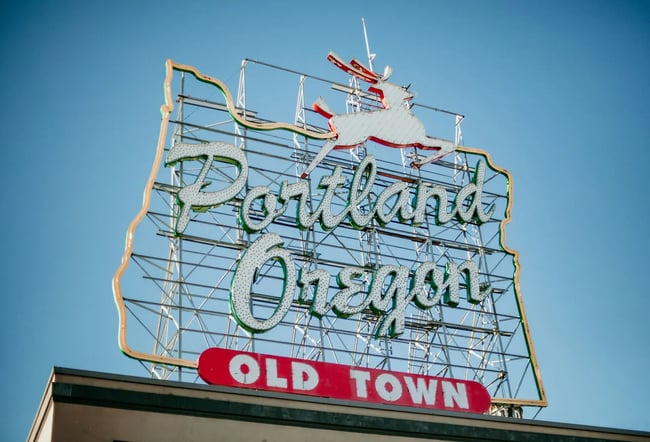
(232, 110)
(543, 402)
(166, 110)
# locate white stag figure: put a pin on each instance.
(394, 125)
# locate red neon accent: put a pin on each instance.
(339, 63)
(387, 144)
(323, 379)
(321, 111)
(357, 64)
(402, 146)
(380, 93)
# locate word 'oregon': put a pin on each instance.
(388, 294)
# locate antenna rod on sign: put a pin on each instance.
(365, 36)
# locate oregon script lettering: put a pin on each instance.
(392, 288)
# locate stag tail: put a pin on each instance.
(322, 108)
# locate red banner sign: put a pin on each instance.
(233, 368)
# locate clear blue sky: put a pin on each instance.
(557, 91)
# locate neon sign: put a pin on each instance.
(283, 248)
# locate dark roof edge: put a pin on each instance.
(299, 398)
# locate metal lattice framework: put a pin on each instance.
(173, 290)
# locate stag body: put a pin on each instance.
(394, 125)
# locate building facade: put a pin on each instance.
(90, 406)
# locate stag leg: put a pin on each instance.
(326, 149)
(444, 146)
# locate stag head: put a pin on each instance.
(391, 94)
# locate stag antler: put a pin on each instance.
(358, 65)
(363, 74)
